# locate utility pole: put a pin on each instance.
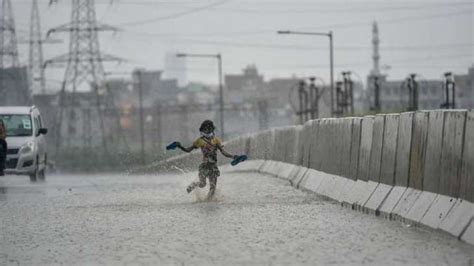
(262, 107)
(84, 68)
(345, 95)
(221, 97)
(142, 119)
(159, 126)
(412, 85)
(377, 106)
(330, 35)
(450, 91)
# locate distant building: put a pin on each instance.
(394, 94)
(14, 87)
(175, 68)
(465, 89)
(196, 93)
(244, 87)
(154, 88)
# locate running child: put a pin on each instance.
(209, 144)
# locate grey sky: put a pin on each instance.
(426, 37)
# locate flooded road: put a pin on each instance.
(256, 220)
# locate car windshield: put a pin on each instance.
(17, 125)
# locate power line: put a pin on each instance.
(173, 16)
(302, 47)
(334, 26)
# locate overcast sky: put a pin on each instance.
(427, 37)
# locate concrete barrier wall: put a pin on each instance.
(426, 151)
(389, 151)
(344, 151)
(418, 149)
(467, 164)
(451, 153)
(431, 171)
(402, 165)
(355, 148)
(376, 148)
(414, 166)
(365, 147)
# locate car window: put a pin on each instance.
(17, 125)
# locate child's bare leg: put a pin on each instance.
(201, 183)
(212, 186)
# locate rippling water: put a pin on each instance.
(255, 219)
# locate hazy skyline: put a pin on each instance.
(426, 37)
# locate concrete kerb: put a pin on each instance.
(420, 207)
(438, 211)
(247, 166)
(297, 175)
(468, 235)
(388, 206)
(458, 218)
(337, 191)
(377, 198)
(358, 193)
(405, 203)
(345, 196)
(311, 180)
(367, 192)
(285, 170)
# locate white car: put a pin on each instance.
(26, 154)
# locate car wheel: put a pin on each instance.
(35, 174)
(42, 175)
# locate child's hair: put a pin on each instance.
(207, 124)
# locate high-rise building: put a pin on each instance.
(175, 68)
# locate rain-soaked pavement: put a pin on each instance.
(257, 220)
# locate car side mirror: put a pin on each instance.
(43, 131)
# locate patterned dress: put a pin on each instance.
(208, 167)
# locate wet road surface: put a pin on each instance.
(256, 220)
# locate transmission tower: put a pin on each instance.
(8, 41)
(82, 85)
(35, 66)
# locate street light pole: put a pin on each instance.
(331, 56)
(221, 96)
(331, 65)
(142, 120)
(221, 86)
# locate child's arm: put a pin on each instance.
(188, 149)
(226, 154)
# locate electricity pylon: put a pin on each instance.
(8, 40)
(84, 73)
(35, 64)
